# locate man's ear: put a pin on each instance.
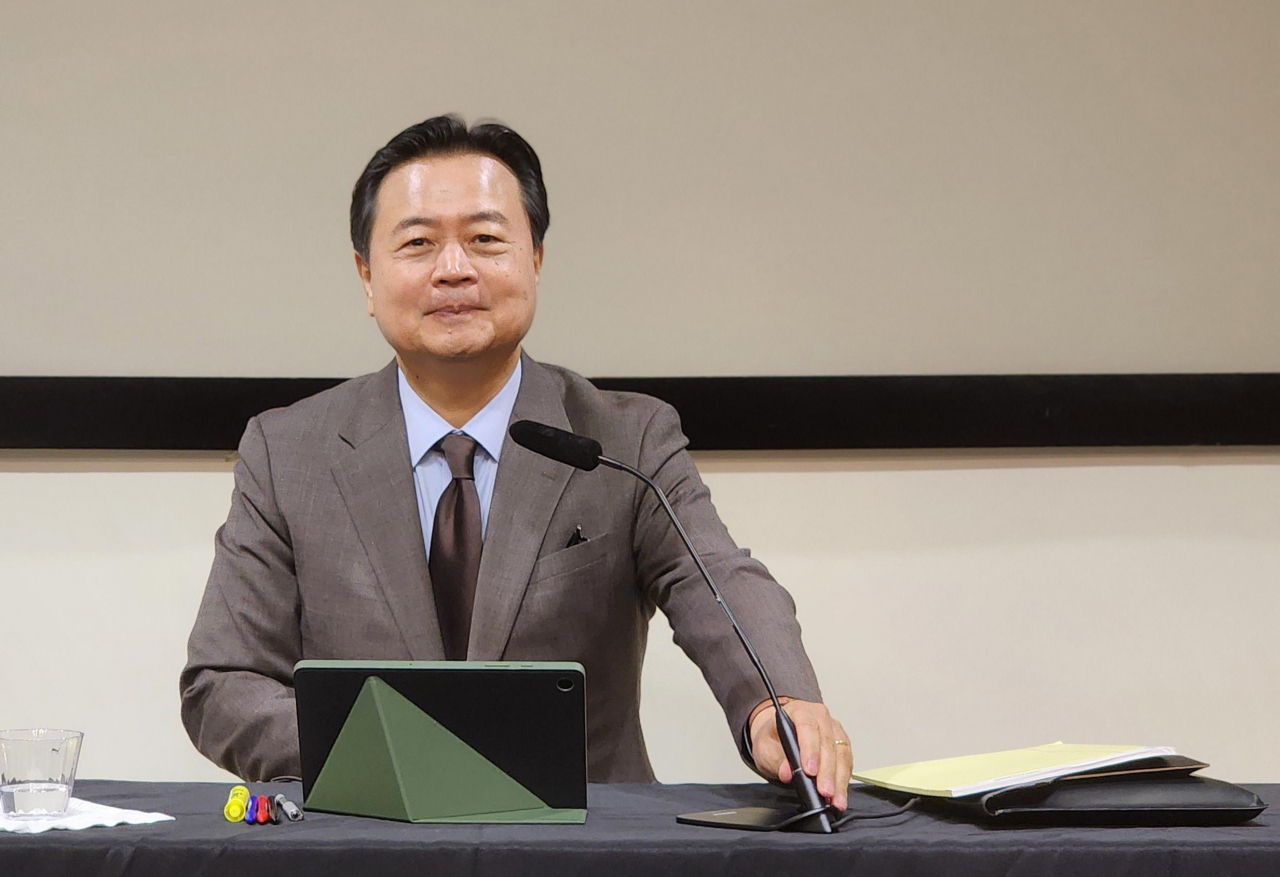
(537, 262)
(363, 267)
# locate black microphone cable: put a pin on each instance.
(859, 817)
(849, 816)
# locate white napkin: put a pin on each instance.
(81, 814)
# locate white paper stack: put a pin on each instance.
(974, 774)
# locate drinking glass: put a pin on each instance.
(37, 771)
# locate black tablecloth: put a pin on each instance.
(631, 829)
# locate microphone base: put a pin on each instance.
(763, 819)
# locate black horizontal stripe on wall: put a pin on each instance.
(721, 413)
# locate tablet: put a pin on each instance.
(527, 718)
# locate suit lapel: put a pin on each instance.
(376, 481)
(525, 494)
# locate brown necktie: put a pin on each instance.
(455, 547)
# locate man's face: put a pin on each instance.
(452, 272)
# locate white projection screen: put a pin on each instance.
(946, 187)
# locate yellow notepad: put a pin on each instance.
(974, 774)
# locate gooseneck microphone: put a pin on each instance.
(586, 454)
(569, 448)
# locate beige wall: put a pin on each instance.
(769, 188)
(736, 187)
(952, 603)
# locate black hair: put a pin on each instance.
(449, 135)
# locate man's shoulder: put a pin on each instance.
(322, 414)
(624, 422)
(588, 405)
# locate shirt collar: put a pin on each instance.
(488, 427)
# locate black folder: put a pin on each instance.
(1152, 792)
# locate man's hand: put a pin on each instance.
(824, 747)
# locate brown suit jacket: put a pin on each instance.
(322, 557)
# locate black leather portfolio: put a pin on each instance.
(1158, 791)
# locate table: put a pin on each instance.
(631, 829)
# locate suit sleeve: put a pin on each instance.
(763, 608)
(237, 691)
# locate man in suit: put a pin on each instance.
(391, 517)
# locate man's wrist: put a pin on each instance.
(744, 743)
(763, 705)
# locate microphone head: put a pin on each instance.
(577, 451)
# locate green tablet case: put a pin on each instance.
(393, 761)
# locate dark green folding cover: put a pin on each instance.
(393, 761)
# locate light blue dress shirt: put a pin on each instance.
(430, 470)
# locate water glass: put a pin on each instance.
(37, 771)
